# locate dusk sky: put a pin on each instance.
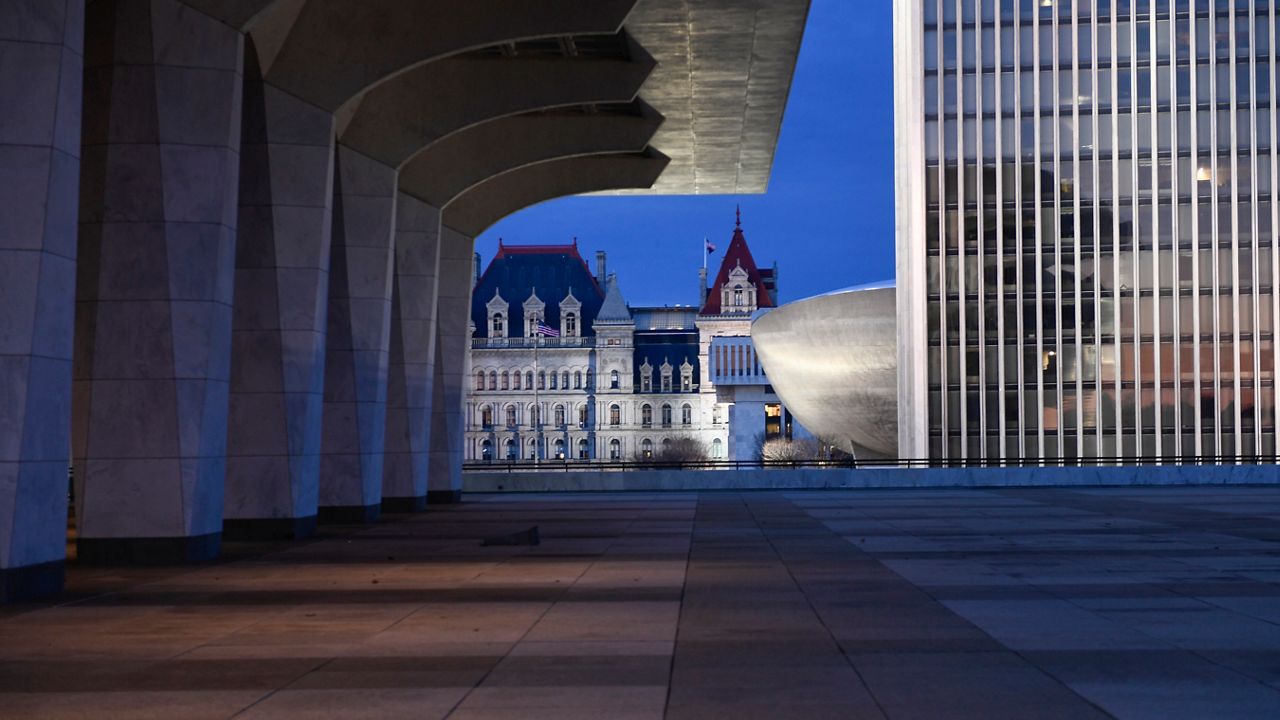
(828, 216)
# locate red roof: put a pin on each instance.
(737, 254)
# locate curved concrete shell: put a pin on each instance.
(833, 360)
(472, 212)
(464, 159)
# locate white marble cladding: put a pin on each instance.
(355, 386)
(161, 143)
(40, 74)
(281, 297)
(413, 346)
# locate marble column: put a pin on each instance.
(278, 332)
(412, 362)
(358, 342)
(160, 167)
(452, 345)
(41, 61)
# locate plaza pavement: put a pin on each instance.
(1046, 603)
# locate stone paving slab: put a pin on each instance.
(983, 603)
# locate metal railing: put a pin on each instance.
(578, 465)
(524, 342)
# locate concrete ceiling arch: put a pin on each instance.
(329, 51)
(501, 195)
(407, 114)
(452, 166)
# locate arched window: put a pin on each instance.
(533, 448)
(510, 449)
(615, 414)
(570, 325)
(506, 380)
(584, 449)
(559, 416)
(737, 297)
(486, 416)
(686, 414)
(564, 380)
(511, 415)
(499, 326)
(535, 416)
(582, 416)
(577, 380)
(553, 380)
(666, 415)
(493, 379)
(542, 380)
(666, 445)
(717, 449)
(646, 415)
(591, 379)
(486, 450)
(515, 380)
(559, 449)
(528, 380)
(615, 449)
(646, 449)
(614, 380)
(479, 379)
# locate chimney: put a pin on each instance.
(475, 270)
(601, 277)
(702, 287)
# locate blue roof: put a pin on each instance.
(672, 347)
(551, 270)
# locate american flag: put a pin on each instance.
(547, 330)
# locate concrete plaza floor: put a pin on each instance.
(1133, 603)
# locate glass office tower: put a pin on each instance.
(1086, 227)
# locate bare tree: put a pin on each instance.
(683, 449)
(790, 450)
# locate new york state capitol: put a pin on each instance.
(619, 383)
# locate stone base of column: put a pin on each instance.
(404, 504)
(444, 497)
(148, 551)
(261, 529)
(350, 514)
(31, 582)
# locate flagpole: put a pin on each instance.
(537, 409)
(704, 252)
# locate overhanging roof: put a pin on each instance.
(722, 81)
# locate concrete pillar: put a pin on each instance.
(412, 362)
(41, 60)
(452, 341)
(357, 347)
(160, 169)
(281, 296)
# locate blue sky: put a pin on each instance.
(827, 218)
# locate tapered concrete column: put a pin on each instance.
(359, 329)
(452, 338)
(412, 362)
(282, 289)
(155, 278)
(40, 71)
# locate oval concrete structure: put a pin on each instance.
(833, 361)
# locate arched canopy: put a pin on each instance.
(490, 201)
(330, 51)
(408, 113)
(463, 160)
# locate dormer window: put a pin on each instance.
(686, 377)
(534, 313)
(666, 371)
(497, 309)
(738, 294)
(646, 377)
(570, 313)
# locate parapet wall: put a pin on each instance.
(871, 478)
